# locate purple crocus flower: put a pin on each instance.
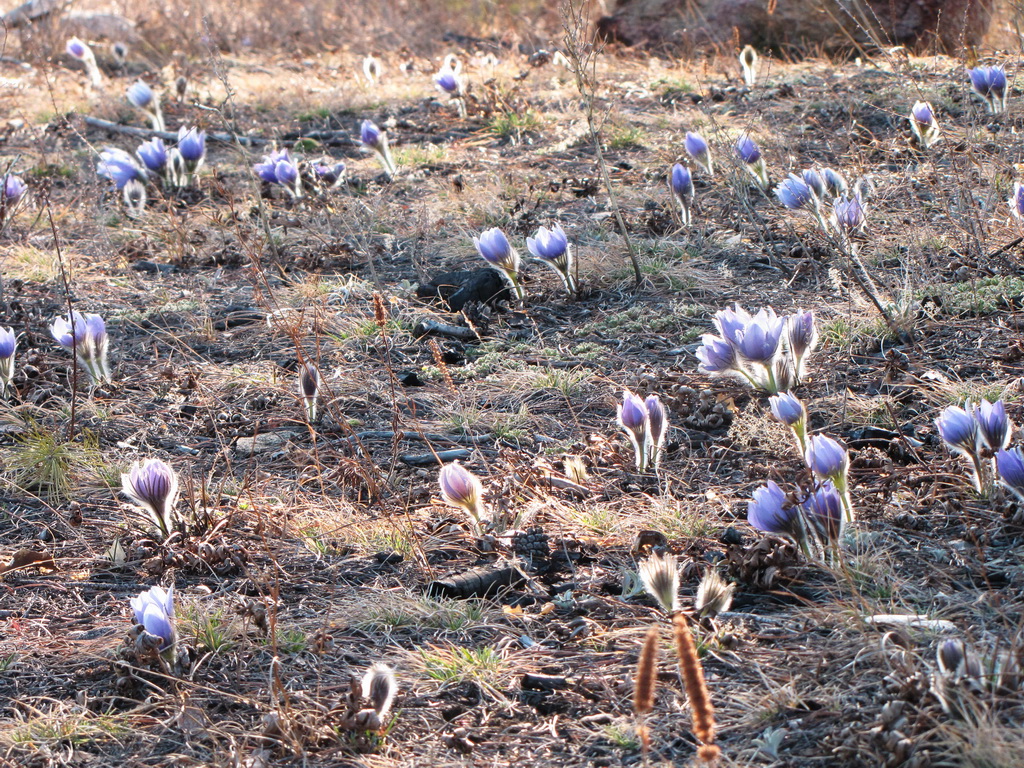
(657, 428)
(447, 81)
(370, 135)
(716, 355)
(286, 172)
(697, 148)
(747, 150)
(461, 488)
(192, 145)
(923, 124)
(732, 322)
(1011, 470)
(331, 175)
(551, 246)
(154, 610)
(680, 183)
(153, 485)
(803, 338)
(153, 155)
(827, 459)
(814, 180)
(824, 511)
(635, 421)
(118, 166)
(77, 49)
(13, 190)
(958, 430)
(140, 95)
(770, 511)
(759, 341)
(848, 216)
(994, 427)
(787, 408)
(8, 345)
(795, 193)
(499, 253)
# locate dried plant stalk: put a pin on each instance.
(693, 679)
(646, 674)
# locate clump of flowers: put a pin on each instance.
(8, 346)
(497, 251)
(814, 521)
(154, 613)
(462, 489)
(750, 155)
(86, 337)
(279, 168)
(375, 140)
(153, 485)
(680, 184)
(981, 433)
(645, 423)
(147, 101)
(698, 149)
(990, 84)
(924, 125)
(551, 247)
(120, 167)
(767, 351)
(76, 49)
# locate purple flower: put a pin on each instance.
(827, 459)
(118, 166)
(803, 338)
(697, 148)
(153, 155)
(497, 251)
(747, 151)
(994, 428)
(1011, 470)
(548, 244)
(461, 488)
(447, 81)
(824, 511)
(76, 48)
(923, 124)
(732, 322)
(795, 193)
(716, 355)
(848, 215)
(154, 610)
(331, 175)
(657, 423)
(680, 183)
(958, 430)
(788, 409)
(192, 145)
(370, 134)
(153, 485)
(814, 180)
(140, 95)
(835, 184)
(770, 511)
(759, 340)
(8, 345)
(13, 191)
(286, 172)
(635, 420)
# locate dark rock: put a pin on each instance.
(153, 268)
(457, 289)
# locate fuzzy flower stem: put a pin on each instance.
(693, 680)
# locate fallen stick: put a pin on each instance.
(426, 325)
(430, 459)
(424, 436)
(145, 133)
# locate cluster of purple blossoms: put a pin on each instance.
(645, 423)
(86, 336)
(154, 612)
(982, 433)
(767, 351)
(174, 167)
(548, 246)
(990, 84)
(280, 169)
